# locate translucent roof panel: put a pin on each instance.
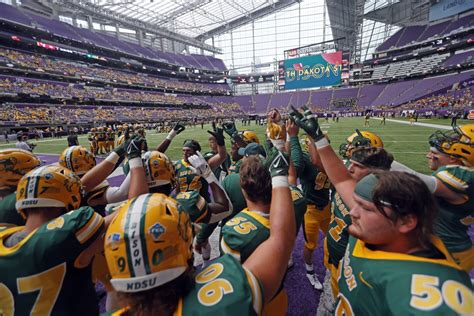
(187, 17)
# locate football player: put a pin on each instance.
(216, 140)
(101, 140)
(316, 185)
(161, 278)
(92, 138)
(451, 157)
(391, 251)
(14, 164)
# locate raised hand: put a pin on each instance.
(218, 133)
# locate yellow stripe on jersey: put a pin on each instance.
(90, 228)
(7, 233)
(451, 180)
(361, 251)
(262, 220)
(120, 312)
(226, 249)
(257, 293)
(203, 215)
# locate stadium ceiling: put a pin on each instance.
(401, 13)
(198, 19)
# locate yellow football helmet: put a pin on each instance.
(359, 139)
(275, 132)
(148, 243)
(48, 186)
(159, 169)
(93, 130)
(14, 164)
(249, 137)
(458, 143)
(77, 159)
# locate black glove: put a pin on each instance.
(121, 149)
(295, 115)
(179, 127)
(219, 135)
(135, 147)
(310, 125)
(230, 129)
(277, 162)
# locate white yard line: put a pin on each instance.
(418, 124)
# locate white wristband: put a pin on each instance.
(113, 157)
(171, 135)
(323, 142)
(280, 182)
(211, 178)
(135, 163)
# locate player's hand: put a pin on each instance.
(178, 128)
(277, 162)
(291, 128)
(135, 147)
(310, 125)
(219, 135)
(230, 129)
(200, 165)
(198, 247)
(295, 115)
(121, 149)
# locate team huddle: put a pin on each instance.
(396, 241)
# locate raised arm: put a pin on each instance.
(178, 128)
(270, 260)
(216, 160)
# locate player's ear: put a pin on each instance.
(407, 223)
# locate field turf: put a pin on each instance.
(408, 144)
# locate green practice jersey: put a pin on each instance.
(39, 276)
(8, 212)
(223, 169)
(224, 288)
(193, 203)
(235, 166)
(387, 283)
(314, 182)
(453, 221)
(189, 181)
(243, 233)
(338, 234)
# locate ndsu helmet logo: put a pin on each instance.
(156, 230)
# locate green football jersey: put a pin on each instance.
(453, 221)
(223, 288)
(314, 182)
(338, 234)
(195, 205)
(222, 170)
(231, 186)
(8, 212)
(39, 275)
(387, 283)
(189, 181)
(299, 204)
(235, 166)
(243, 233)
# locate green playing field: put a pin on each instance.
(407, 143)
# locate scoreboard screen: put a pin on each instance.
(310, 71)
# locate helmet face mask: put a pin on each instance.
(458, 143)
(148, 243)
(47, 187)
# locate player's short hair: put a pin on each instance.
(373, 157)
(255, 180)
(406, 195)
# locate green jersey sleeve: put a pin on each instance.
(299, 204)
(224, 288)
(231, 186)
(195, 205)
(459, 179)
(8, 212)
